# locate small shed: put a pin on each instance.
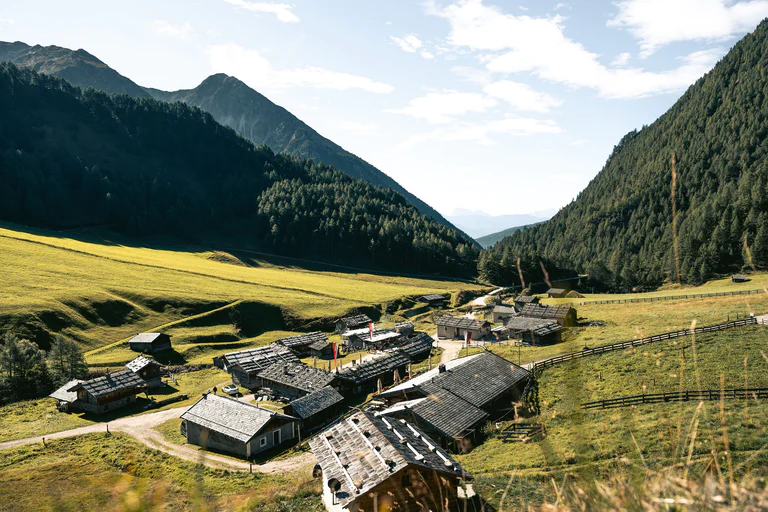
(500, 333)
(369, 462)
(405, 328)
(150, 342)
(739, 278)
(363, 339)
(563, 314)
(223, 424)
(536, 331)
(352, 322)
(453, 327)
(109, 392)
(263, 356)
(148, 369)
(321, 350)
(501, 313)
(65, 399)
(416, 348)
(557, 293)
(316, 409)
(294, 380)
(522, 300)
(434, 300)
(301, 343)
(365, 377)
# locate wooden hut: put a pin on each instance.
(501, 313)
(315, 409)
(294, 380)
(109, 392)
(453, 327)
(535, 331)
(522, 300)
(739, 278)
(365, 377)
(148, 369)
(557, 293)
(301, 342)
(433, 300)
(563, 314)
(352, 322)
(150, 342)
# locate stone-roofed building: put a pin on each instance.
(433, 299)
(363, 339)
(321, 349)
(294, 380)
(364, 377)
(352, 322)
(150, 342)
(452, 401)
(536, 331)
(261, 356)
(148, 369)
(65, 399)
(521, 301)
(301, 342)
(224, 424)
(405, 328)
(563, 314)
(455, 327)
(108, 392)
(501, 313)
(417, 348)
(557, 293)
(315, 409)
(369, 462)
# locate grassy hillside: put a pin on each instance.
(489, 240)
(100, 292)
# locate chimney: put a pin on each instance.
(441, 368)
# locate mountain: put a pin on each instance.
(71, 158)
(479, 224)
(620, 228)
(77, 67)
(488, 240)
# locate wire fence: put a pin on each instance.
(546, 363)
(674, 297)
(678, 396)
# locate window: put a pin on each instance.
(263, 441)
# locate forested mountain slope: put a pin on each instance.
(230, 101)
(620, 228)
(72, 157)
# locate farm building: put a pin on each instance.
(108, 392)
(433, 300)
(65, 399)
(500, 333)
(416, 348)
(321, 349)
(300, 343)
(315, 409)
(739, 278)
(501, 313)
(365, 377)
(522, 300)
(563, 314)
(363, 339)
(294, 380)
(371, 463)
(536, 331)
(557, 293)
(453, 327)
(352, 322)
(150, 342)
(405, 328)
(227, 425)
(262, 356)
(148, 369)
(454, 400)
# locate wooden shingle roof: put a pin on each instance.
(460, 322)
(540, 326)
(556, 291)
(319, 345)
(418, 345)
(235, 419)
(365, 450)
(298, 375)
(302, 340)
(354, 321)
(526, 299)
(374, 368)
(262, 357)
(504, 309)
(140, 363)
(449, 414)
(63, 394)
(112, 383)
(540, 311)
(432, 297)
(315, 402)
(146, 338)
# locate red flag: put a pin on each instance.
(467, 337)
(370, 330)
(334, 354)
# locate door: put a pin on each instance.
(276, 437)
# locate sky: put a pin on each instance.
(505, 107)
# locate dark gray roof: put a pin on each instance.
(432, 297)
(354, 321)
(540, 311)
(315, 402)
(416, 346)
(63, 394)
(319, 345)
(262, 357)
(540, 326)
(112, 383)
(450, 415)
(374, 368)
(302, 340)
(526, 299)
(460, 322)
(504, 309)
(556, 291)
(405, 326)
(145, 338)
(238, 420)
(364, 450)
(140, 363)
(298, 375)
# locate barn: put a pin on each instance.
(301, 343)
(150, 342)
(453, 327)
(294, 380)
(535, 331)
(563, 314)
(148, 369)
(352, 322)
(316, 409)
(501, 313)
(108, 392)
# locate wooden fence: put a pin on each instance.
(678, 396)
(674, 297)
(546, 363)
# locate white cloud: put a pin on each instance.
(524, 44)
(659, 22)
(165, 28)
(483, 132)
(561, 5)
(283, 12)
(251, 67)
(621, 60)
(443, 106)
(521, 96)
(412, 44)
(426, 54)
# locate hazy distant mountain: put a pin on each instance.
(227, 99)
(488, 240)
(77, 67)
(477, 223)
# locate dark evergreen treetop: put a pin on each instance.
(619, 229)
